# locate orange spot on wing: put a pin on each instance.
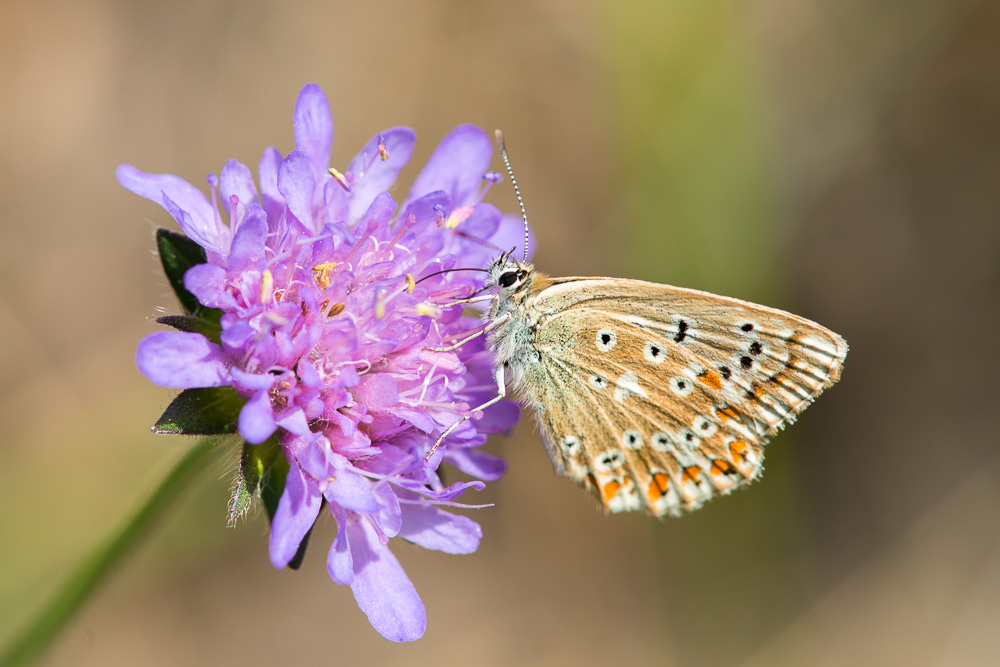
(711, 379)
(720, 467)
(610, 489)
(738, 448)
(658, 486)
(725, 413)
(691, 473)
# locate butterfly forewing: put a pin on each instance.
(656, 397)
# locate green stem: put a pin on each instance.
(96, 566)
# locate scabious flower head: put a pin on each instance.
(323, 329)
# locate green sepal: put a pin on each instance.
(209, 328)
(178, 253)
(261, 474)
(202, 411)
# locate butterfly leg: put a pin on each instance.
(501, 394)
(488, 328)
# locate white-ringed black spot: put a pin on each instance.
(681, 385)
(610, 460)
(598, 382)
(689, 439)
(705, 427)
(606, 339)
(654, 353)
(571, 443)
(632, 439)
(661, 441)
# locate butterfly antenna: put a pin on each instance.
(517, 191)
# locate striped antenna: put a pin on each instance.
(517, 192)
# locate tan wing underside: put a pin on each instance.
(663, 432)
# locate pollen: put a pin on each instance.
(266, 286)
(321, 274)
(341, 180)
(711, 379)
(610, 489)
(410, 283)
(428, 309)
(458, 216)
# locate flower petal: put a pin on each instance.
(296, 513)
(456, 166)
(381, 587)
(207, 282)
(433, 528)
(236, 179)
(339, 562)
(371, 175)
(313, 125)
(296, 184)
(479, 464)
(256, 422)
(181, 360)
(154, 186)
(271, 198)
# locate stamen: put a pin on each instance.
(382, 151)
(439, 214)
(321, 274)
(379, 306)
(410, 283)
(335, 309)
(266, 286)
(341, 179)
(428, 309)
(493, 176)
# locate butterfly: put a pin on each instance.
(652, 397)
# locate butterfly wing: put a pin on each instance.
(656, 397)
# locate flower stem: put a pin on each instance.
(104, 558)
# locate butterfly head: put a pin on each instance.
(505, 275)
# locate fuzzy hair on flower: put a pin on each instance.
(310, 300)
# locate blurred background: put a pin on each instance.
(837, 158)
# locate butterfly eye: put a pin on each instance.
(508, 278)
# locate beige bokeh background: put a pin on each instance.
(840, 158)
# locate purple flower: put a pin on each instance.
(325, 325)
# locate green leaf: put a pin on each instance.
(209, 328)
(203, 411)
(178, 253)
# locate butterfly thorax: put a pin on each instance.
(515, 285)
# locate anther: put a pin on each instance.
(458, 216)
(383, 152)
(321, 274)
(341, 179)
(428, 309)
(266, 286)
(410, 283)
